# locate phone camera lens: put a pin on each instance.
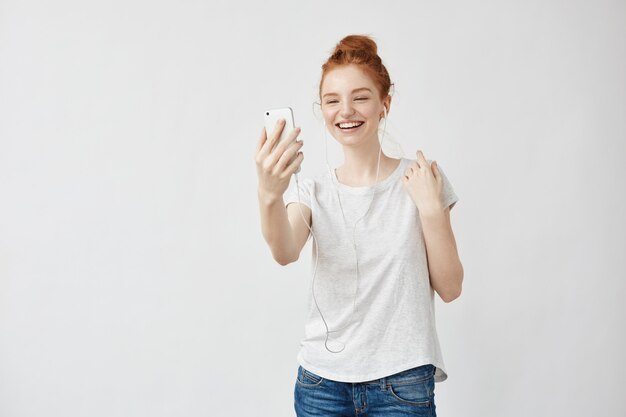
(267, 113)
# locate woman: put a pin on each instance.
(383, 245)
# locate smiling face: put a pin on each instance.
(351, 105)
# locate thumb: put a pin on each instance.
(435, 169)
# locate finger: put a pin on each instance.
(413, 167)
(291, 139)
(415, 162)
(282, 146)
(261, 141)
(288, 155)
(435, 169)
(269, 145)
(421, 160)
(294, 165)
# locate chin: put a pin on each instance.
(351, 140)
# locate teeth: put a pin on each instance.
(352, 124)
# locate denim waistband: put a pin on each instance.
(409, 376)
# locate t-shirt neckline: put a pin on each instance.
(395, 174)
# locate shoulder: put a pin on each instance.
(317, 179)
(404, 163)
(309, 184)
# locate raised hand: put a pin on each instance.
(424, 184)
(275, 162)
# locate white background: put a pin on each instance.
(134, 279)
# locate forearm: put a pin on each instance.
(444, 265)
(277, 230)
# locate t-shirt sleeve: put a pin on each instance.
(305, 187)
(449, 196)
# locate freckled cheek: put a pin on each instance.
(329, 118)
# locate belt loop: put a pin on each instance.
(383, 383)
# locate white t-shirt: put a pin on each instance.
(393, 326)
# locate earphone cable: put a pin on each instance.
(354, 246)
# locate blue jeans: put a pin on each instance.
(407, 393)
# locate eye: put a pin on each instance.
(331, 101)
(361, 98)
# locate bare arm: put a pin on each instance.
(444, 265)
(284, 229)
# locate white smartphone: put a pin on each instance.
(272, 116)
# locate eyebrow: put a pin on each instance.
(353, 91)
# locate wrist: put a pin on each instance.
(267, 198)
(432, 212)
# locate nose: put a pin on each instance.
(346, 109)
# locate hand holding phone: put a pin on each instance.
(271, 123)
(278, 155)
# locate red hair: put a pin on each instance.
(362, 51)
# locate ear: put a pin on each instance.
(387, 105)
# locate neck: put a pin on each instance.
(361, 164)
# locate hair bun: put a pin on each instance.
(358, 43)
